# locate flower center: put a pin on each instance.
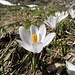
(34, 38)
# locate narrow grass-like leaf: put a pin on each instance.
(8, 55)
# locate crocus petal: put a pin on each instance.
(70, 66)
(70, 72)
(57, 13)
(34, 30)
(24, 35)
(24, 45)
(42, 32)
(72, 13)
(27, 47)
(52, 21)
(48, 23)
(4, 2)
(63, 16)
(37, 48)
(70, 9)
(48, 38)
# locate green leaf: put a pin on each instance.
(8, 55)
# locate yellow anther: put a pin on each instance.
(74, 10)
(34, 38)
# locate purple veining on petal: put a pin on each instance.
(24, 45)
(74, 13)
(70, 7)
(40, 37)
(57, 18)
(48, 23)
(26, 39)
(24, 34)
(42, 32)
(34, 29)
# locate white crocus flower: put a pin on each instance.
(71, 11)
(51, 22)
(70, 68)
(61, 15)
(4, 2)
(36, 39)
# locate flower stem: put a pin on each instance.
(33, 65)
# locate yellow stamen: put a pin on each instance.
(34, 38)
(74, 10)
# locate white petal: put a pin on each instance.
(24, 35)
(71, 72)
(37, 47)
(34, 30)
(63, 17)
(24, 45)
(31, 5)
(52, 21)
(30, 48)
(48, 23)
(70, 66)
(57, 13)
(6, 3)
(42, 32)
(71, 11)
(48, 38)
(62, 13)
